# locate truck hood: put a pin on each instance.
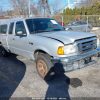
(66, 36)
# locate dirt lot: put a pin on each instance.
(19, 78)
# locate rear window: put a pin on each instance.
(3, 29)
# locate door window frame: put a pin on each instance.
(24, 28)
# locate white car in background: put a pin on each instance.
(79, 26)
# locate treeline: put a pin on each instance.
(82, 12)
(92, 10)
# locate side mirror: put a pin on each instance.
(19, 33)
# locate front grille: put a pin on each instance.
(87, 45)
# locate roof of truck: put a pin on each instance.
(3, 21)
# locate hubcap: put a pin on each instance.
(42, 68)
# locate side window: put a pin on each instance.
(30, 25)
(20, 28)
(3, 29)
(11, 28)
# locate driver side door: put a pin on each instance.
(20, 40)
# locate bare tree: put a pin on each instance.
(20, 7)
(44, 7)
(34, 10)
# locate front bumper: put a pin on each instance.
(78, 61)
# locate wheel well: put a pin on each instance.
(0, 43)
(39, 51)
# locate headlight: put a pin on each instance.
(68, 49)
(60, 50)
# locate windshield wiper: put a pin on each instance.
(41, 31)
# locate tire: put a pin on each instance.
(3, 52)
(43, 64)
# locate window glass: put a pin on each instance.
(40, 25)
(3, 29)
(20, 28)
(82, 23)
(11, 28)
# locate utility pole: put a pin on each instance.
(29, 4)
(44, 9)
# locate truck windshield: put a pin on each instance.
(40, 25)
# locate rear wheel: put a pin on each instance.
(43, 64)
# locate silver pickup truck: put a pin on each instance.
(46, 42)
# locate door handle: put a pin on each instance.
(30, 43)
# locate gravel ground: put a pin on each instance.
(19, 78)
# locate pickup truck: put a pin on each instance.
(46, 42)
